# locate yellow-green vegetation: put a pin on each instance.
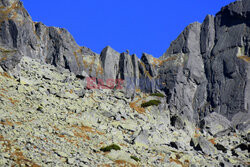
(151, 103)
(157, 94)
(40, 108)
(110, 147)
(135, 158)
(245, 58)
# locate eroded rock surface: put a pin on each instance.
(49, 119)
(50, 115)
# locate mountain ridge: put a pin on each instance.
(64, 105)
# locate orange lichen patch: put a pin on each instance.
(82, 131)
(59, 31)
(68, 139)
(5, 53)
(137, 90)
(163, 157)
(84, 128)
(6, 123)
(186, 163)
(145, 71)
(196, 135)
(19, 123)
(56, 129)
(3, 59)
(124, 145)
(122, 163)
(245, 58)
(87, 129)
(197, 132)
(81, 135)
(99, 133)
(13, 101)
(10, 99)
(77, 60)
(137, 108)
(198, 129)
(168, 59)
(70, 91)
(99, 70)
(85, 63)
(177, 161)
(20, 159)
(158, 62)
(17, 156)
(104, 165)
(89, 64)
(5, 74)
(7, 144)
(7, 13)
(4, 90)
(212, 141)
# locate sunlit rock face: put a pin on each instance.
(206, 69)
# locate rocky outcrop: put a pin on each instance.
(49, 119)
(183, 73)
(228, 64)
(205, 70)
(209, 68)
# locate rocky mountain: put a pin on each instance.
(61, 103)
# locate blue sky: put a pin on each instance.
(138, 25)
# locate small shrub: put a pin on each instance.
(151, 103)
(135, 158)
(40, 108)
(110, 147)
(157, 94)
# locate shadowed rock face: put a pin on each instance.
(205, 69)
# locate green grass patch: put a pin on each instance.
(135, 158)
(151, 103)
(157, 94)
(110, 147)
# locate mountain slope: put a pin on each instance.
(48, 119)
(205, 69)
(60, 103)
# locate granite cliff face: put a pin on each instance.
(206, 69)
(213, 73)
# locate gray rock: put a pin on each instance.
(110, 62)
(216, 124)
(142, 139)
(183, 73)
(203, 145)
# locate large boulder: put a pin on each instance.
(216, 124)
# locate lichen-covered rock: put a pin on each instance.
(46, 110)
(216, 124)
